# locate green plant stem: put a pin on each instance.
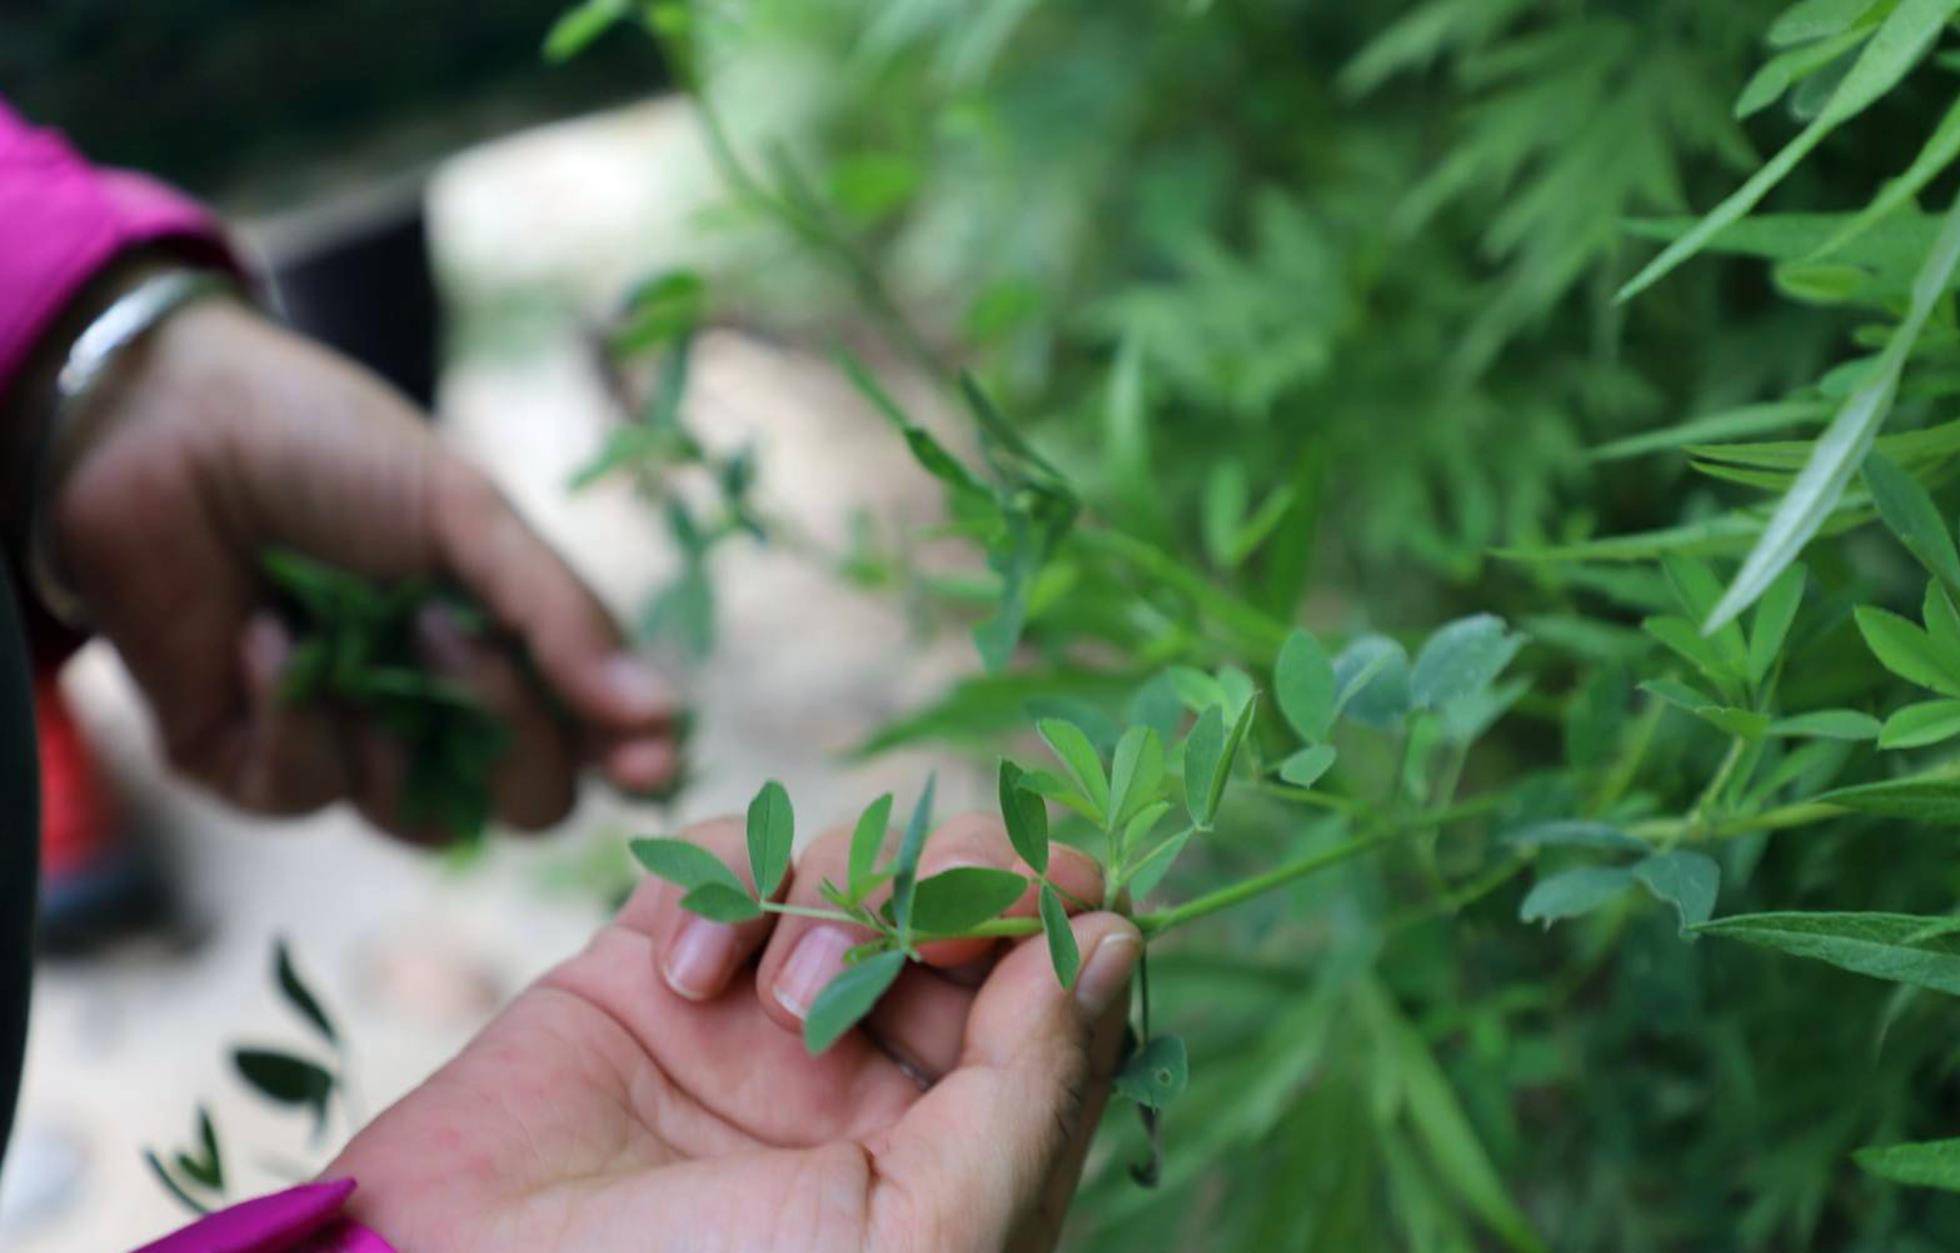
(1801, 814)
(1245, 889)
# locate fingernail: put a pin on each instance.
(637, 687)
(1107, 972)
(700, 958)
(813, 963)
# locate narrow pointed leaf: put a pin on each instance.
(299, 996)
(867, 840)
(905, 868)
(1930, 1164)
(1909, 513)
(1025, 815)
(1916, 726)
(1827, 724)
(1884, 946)
(1841, 449)
(1063, 953)
(1202, 749)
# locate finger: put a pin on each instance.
(531, 786)
(289, 758)
(698, 956)
(985, 1147)
(571, 637)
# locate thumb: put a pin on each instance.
(989, 1157)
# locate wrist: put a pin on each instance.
(76, 390)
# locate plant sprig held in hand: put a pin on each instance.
(354, 648)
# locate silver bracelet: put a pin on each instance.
(127, 319)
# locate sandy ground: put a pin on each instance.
(414, 955)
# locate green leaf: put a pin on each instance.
(1916, 726)
(170, 1184)
(286, 1079)
(298, 995)
(578, 26)
(1688, 881)
(1940, 150)
(1816, 19)
(1026, 817)
(1453, 1146)
(1942, 620)
(848, 998)
(1771, 625)
(1223, 508)
(1931, 799)
(1062, 951)
(1827, 724)
(1746, 723)
(1304, 686)
(1156, 1074)
(1887, 57)
(1884, 946)
(1371, 677)
(721, 902)
(1304, 768)
(1698, 590)
(214, 1158)
(687, 866)
(1154, 865)
(1570, 893)
(1929, 1164)
(1908, 510)
(1841, 449)
(1222, 773)
(905, 867)
(1907, 651)
(1072, 747)
(1136, 774)
(1569, 833)
(964, 897)
(772, 830)
(1461, 658)
(866, 841)
(1696, 649)
(1203, 747)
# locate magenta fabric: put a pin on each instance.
(61, 220)
(306, 1219)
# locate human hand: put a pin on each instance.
(654, 1092)
(223, 434)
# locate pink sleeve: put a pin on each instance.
(61, 220)
(306, 1219)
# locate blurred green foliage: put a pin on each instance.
(1314, 314)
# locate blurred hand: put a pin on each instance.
(224, 434)
(653, 1093)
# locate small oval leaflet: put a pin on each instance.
(848, 998)
(1156, 1073)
